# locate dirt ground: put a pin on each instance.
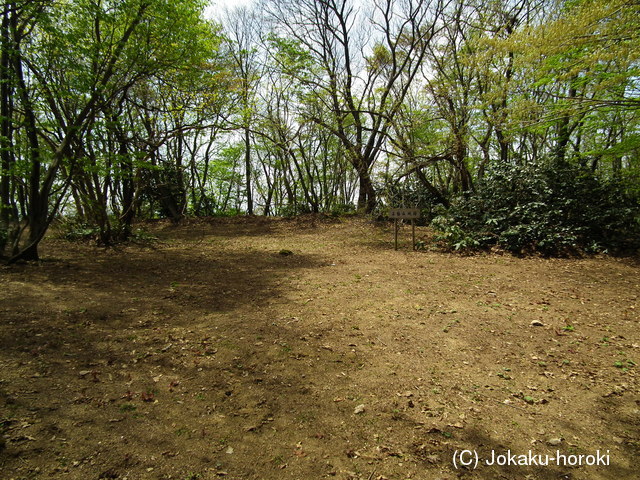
(309, 349)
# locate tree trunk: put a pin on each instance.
(6, 147)
(247, 168)
(564, 133)
(431, 188)
(38, 203)
(128, 187)
(366, 193)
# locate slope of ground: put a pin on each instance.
(309, 349)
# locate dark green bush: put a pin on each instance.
(343, 209)
(552, 208)
(406, 193)
(74, 229)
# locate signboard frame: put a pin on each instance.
(404, 213)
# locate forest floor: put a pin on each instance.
(308, 349)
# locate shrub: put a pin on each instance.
(73, 229)
(551, 208)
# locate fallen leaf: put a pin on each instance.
(406, 394)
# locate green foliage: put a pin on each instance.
(380, 57)
(342, 209)
(291, 56)
(143, 236)
(138, 103)
(551, 208)
(111, 230)
(407, 192)
(453, 235)
(74, 229)
(294, 209)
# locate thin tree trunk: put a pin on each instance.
(37, 202)
(6, 142)
(247, 168)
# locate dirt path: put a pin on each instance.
(212, 354)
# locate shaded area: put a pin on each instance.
(223, 358)
(81, 334)
(120, 290)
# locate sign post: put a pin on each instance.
(404, 213)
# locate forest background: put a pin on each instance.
(509, 122)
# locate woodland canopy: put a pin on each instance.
(509, 122)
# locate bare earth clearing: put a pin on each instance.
(210, 354)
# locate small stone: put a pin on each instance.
(359, 409)
(536, 323)
(554, 441)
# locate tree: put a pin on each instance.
(364, 72)
(243, 29)
(584, 58)
(72, 66)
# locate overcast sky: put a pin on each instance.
(216, 6)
